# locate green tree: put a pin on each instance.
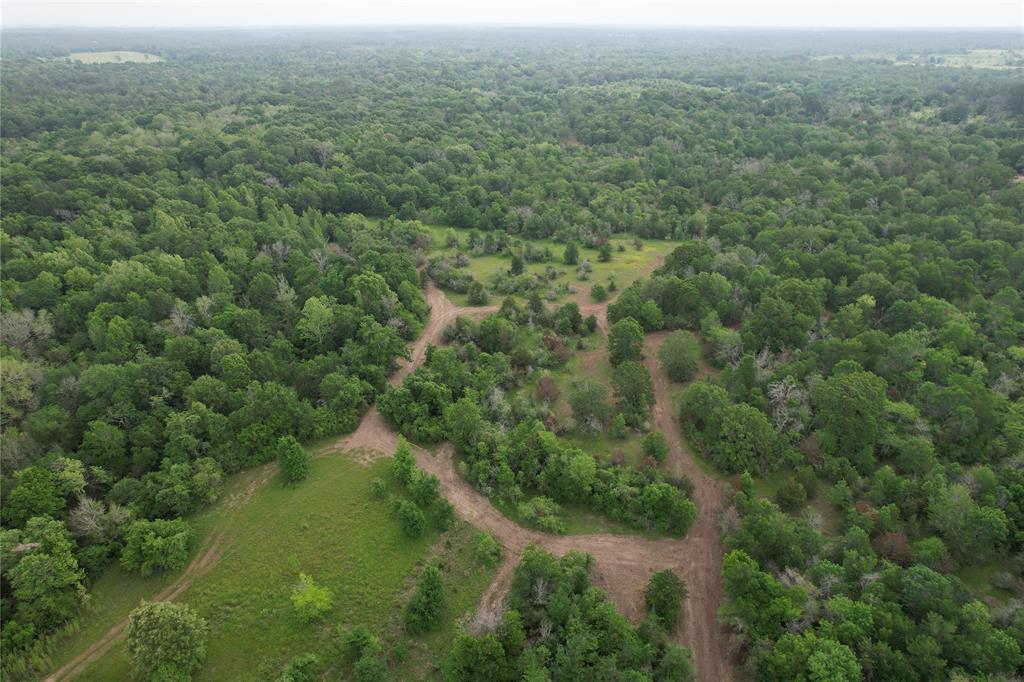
(476, 659)
(655, 446)
(166, 641)
(46, 581)
(664, 593)
(158, 545)
(625, 341)
(293, 459)
(411, 519)
(317, 320)
(589, 402)
(745, 440)
(851, 406)
(571, 255)
(403, 463)
(423, 610)
(679, 354)
(36, 494)
(634, 390)
(105, 445)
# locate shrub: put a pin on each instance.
(410, 517)
(423, 610)
(655, 446)
(357, 640)
(791, 496)
(311, 601)
(300, 669)
(424, 488)
(404, 461)
(378, 488)
(598, 293)
(488, 551)
(617, 429)
(477, 295)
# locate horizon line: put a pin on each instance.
(556, 25)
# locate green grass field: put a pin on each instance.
(329, 527)
(624, 268)
(115, 57)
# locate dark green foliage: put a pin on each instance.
(664, 593)
(552, 613)
(634, 391)
(423, 610)
(411, 518)
(571, 255)
(293, 459)
(625, 341)
(791, 495)
(679, 354)
(158, 545)
(589, 401)
(188, 278)
(655, 446)
(300, 669)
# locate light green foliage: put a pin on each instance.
(36, 494)
(311, 601)
(293, 459)
(45, 580)
(166, 641)
(488, 551)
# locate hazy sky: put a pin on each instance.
(745, 13)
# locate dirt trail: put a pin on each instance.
(207, 556)
(622, 564)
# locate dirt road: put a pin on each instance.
(623, 564)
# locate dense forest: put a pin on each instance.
(209, 260)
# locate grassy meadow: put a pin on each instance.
(330, 527)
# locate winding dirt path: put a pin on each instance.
(622, 563)
(205, 559)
